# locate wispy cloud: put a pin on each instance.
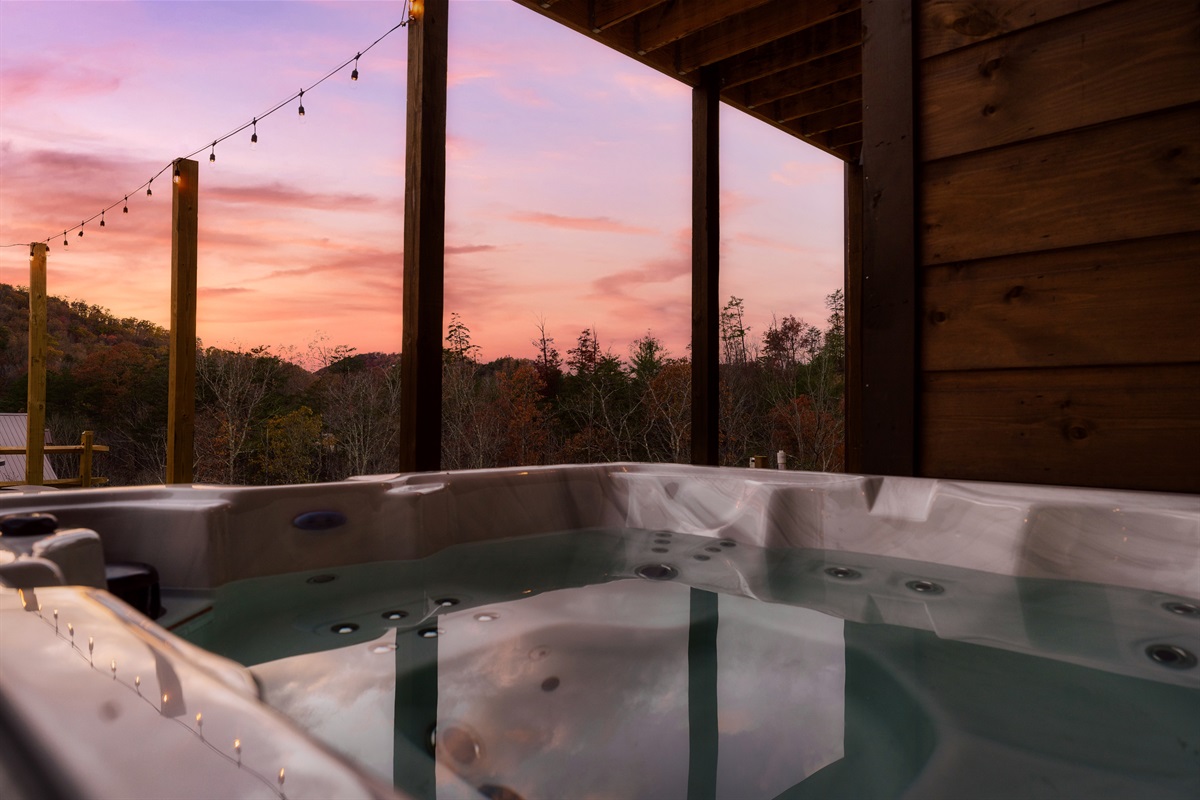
(280, 194)
(593, 224)
(807, 173)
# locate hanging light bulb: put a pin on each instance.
(302, 105)
(176, 177)
(81, 228)
(254, 135)
(354, 72)
(101, 219)
(125, 210)
(66, 244)
(149, 191)
(212, 155)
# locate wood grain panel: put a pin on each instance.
(1125, 180)
(755, 28)
(1135, 302)
(1130, 427)
(825, 39)
(1002, 91)
(949, 24)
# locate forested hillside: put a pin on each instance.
(262, 418)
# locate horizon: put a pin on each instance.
(568, 177)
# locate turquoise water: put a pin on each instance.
(632, 664)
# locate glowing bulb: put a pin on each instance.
(165, 698)
(212, 155)
(254, 134)
(417, 9)
(70, 627)
(137, 683)
(354, 72)
(237, 748)
(176, 176)
(281, 776)
(125, 210)
(113, 666)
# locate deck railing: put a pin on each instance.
(84, 449)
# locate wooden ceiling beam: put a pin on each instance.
(575, 14)
(823, 98)
(805, 77)
(755, 28)
(827, 120)
(668, 23)
(826, 39)
(606, 13)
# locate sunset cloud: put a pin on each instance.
(592, 224)
(806, 173)
(280, 194)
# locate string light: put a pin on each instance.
(175, 177)
(412, 14)
(66, 244)
(81, 229)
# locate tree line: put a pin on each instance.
(261, 418)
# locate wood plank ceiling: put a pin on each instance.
(795, 64)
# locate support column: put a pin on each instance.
(181, 378)
(424, 240)
(706, 238)
(888, 297)
(35, 388)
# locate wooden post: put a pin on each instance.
(424, 240)
(85, 459)
(888, 296)
(706, 238)
(35, 388)
(853, 284)
(181, 379)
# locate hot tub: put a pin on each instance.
(607, 631)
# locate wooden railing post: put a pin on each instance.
(181, 372)
(85, 459)
(35, 391)
(424, 240)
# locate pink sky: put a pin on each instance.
(567, 189)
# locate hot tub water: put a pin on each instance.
(613, 663)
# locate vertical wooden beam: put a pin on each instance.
(424, 240)
(889, 269)
(35, 388)
(853, 283)
(85, 458)
(181, 380)
(706, 238)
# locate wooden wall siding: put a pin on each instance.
(949, 24)
(1051, 79)
(1134, 302)
(1123, 180)
(1060, 242)
(1133, 428)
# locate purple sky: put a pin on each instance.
(567, 189)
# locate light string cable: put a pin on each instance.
(148, 185)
